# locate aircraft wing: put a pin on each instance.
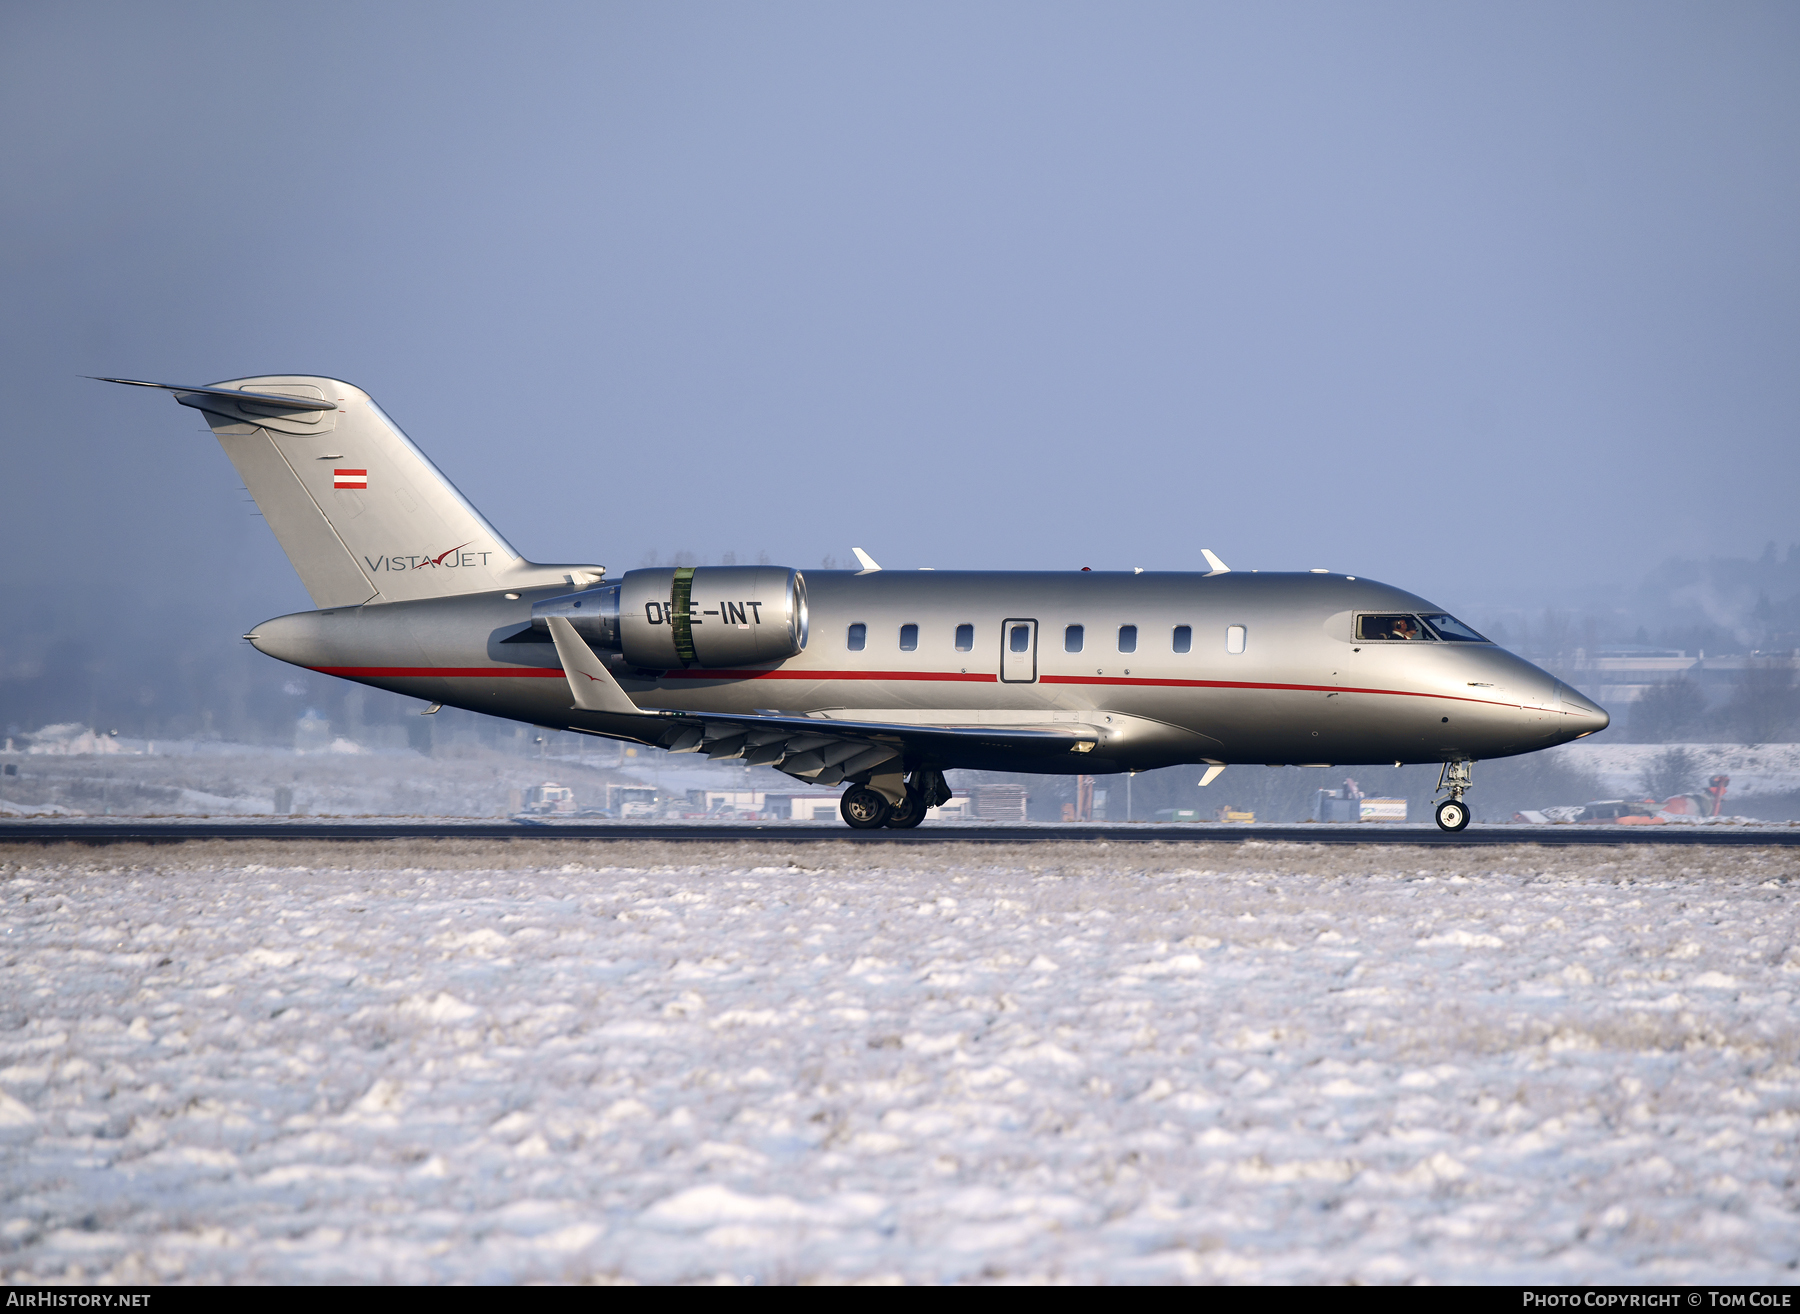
(816, 749)
(823, 751)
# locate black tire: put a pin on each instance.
(863, 809)
(907, 813)
(1453, 815)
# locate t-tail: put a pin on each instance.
(361, 512)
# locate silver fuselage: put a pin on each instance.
(1303, 690)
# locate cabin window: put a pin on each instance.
(1372, 629)
(1127, 638)
(859, 635)
(1184, 638)
(1234, 638)
(1072, 638)
(1452, 630)
(1020, 639)
(909, 638)
(965, 638)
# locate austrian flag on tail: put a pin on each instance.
(349, 478)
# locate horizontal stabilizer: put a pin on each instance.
(235, 394)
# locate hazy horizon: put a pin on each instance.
(1495, 304)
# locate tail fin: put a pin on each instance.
(359, 510)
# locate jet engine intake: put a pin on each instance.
(706, 616)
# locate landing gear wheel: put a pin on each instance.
(1452, 814)
(908, 812)
(863, 809)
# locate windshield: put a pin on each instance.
(1376, 628)
(1452, 630)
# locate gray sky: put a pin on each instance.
(1475, 299)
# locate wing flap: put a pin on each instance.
(824, 752)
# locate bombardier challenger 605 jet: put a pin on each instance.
(881, 679)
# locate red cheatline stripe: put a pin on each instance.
(555, 673)
(451, 672)
(1245, 684)
(829, 675)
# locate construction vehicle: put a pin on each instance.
(548, 798)
(627, 802)
(1351, 804)
(1706, 803)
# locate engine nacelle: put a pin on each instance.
(707, 616)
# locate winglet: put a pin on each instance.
(1218, 567)
(592, 684)
(1212, 773)
(868, 562)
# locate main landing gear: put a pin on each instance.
(908, 812)
(1453, 813)
(865, 808)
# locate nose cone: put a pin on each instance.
(1583, 715)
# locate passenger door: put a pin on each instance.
(1018, 651)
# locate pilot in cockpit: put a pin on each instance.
(1405, 627)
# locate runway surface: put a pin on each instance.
(139, 831)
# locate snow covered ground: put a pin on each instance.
(218, 780)
(224, 780)
(463, 1061)
(1753, 768)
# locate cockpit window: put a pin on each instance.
(1370, 629)
(1452, 630)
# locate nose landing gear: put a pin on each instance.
(1453, 813)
